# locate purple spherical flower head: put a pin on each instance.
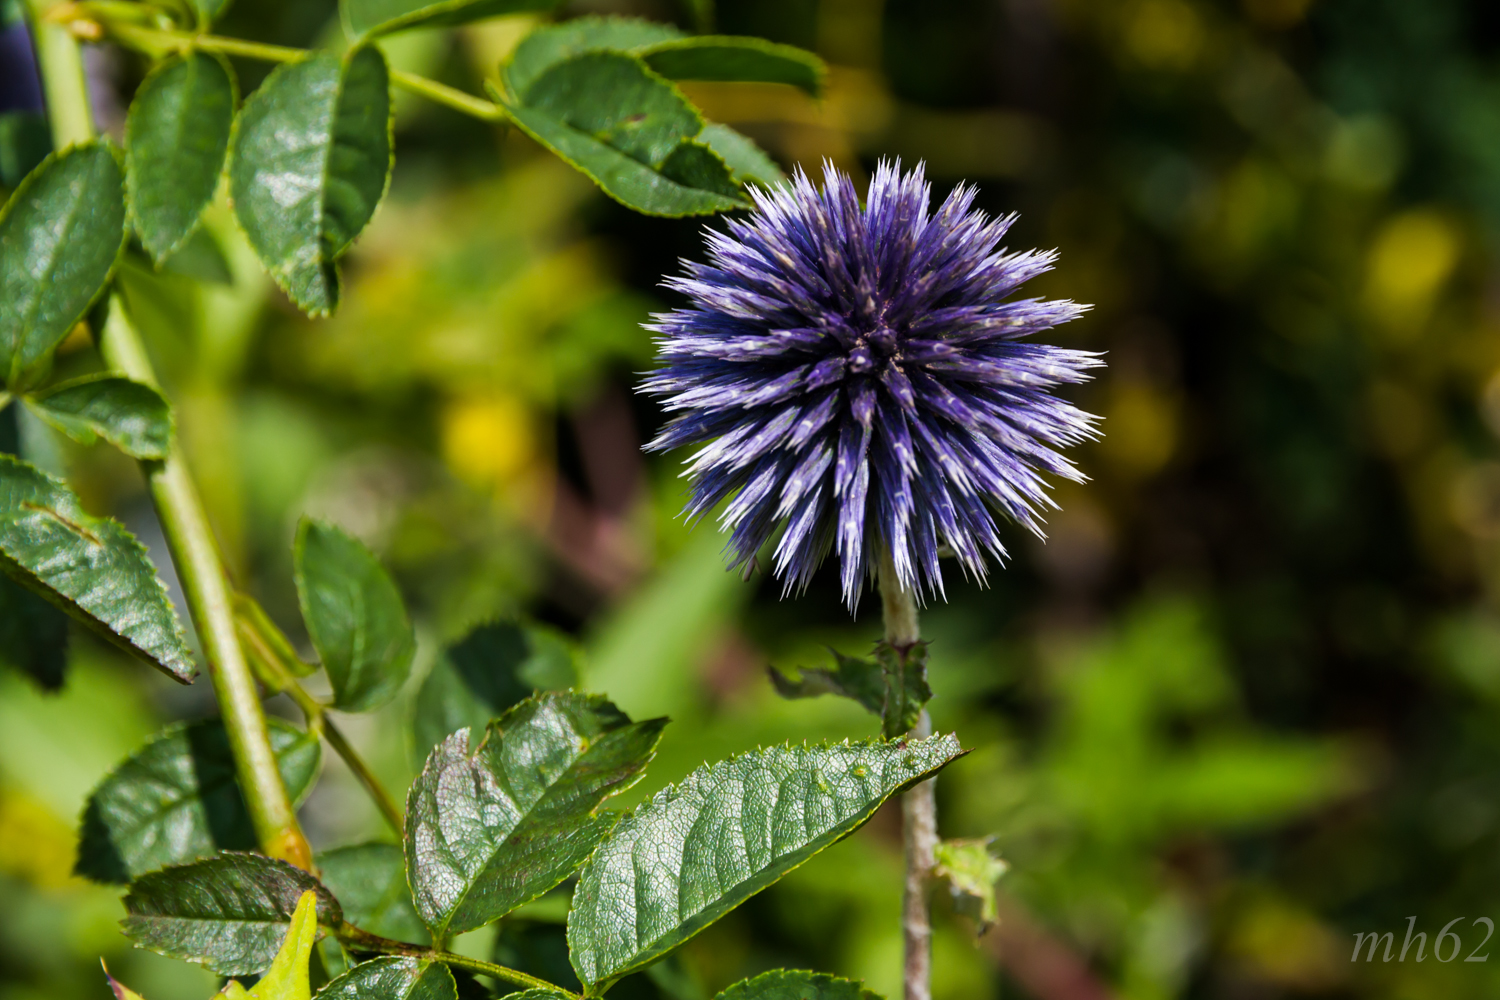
(862, 383)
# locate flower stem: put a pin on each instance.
(918, 804)
(157, 41)
(206, 591)
(362, 940)
(269, 662)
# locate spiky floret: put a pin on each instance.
(860, 380)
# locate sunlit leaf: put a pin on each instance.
(371, 18)
(229, 913)
(131, 416)
(287, 978)
(788, 984)
(629, 130)
(89, 566)
(370, 883)
(176, 800)
(497, 665)
(312, 158)
(176, 138)
(488, 831)
(355, 616)
(697, 850)
(392, 978)
(971, 872)
(60, 235)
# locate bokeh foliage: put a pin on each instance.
(1241, 706)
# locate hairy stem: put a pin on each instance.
(156, 41)
(268, 658)
(361, 940)
(918, 805)
(206, 591)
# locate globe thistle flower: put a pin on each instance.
(860, 381)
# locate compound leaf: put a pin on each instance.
(354, 615)
(495, 666)
(176, 138)
(311, 163)
(697, 850)
(489, 831)
(789, 984)
(91, 567)
(60, 235)
(176, 800)
(372, 18)
(370, 883)
(229, 913)
(131, 416)
(629, 130)
(392, 978)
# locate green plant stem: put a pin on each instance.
(157, 41)
(361, 940)
(270, 665)
(206, 591)
(63, 82)
(918, 804)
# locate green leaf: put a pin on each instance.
(60, 235)
(200, 258)
(354, 615)
(697, 850)
(372, 18)
(786, 984)
(549, 45)
(971, 872)
(91, 567)
(370, 883)
(497, 665)
(392, 978)
(229, 913)
(176, 137)
(33, 635)
(176, 800)
(893, 687)
(722, 57)
(25, 142)
(289, 977)
(746, 160)
(488, 832)
(629, 130)
(312, 159)
(131, 416)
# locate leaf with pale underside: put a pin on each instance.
(60, 235)
(393, 978)
(355, 616)
(229, 913)
(176, 139)
(373, 18)
(794, 984)
(628, 129)
(312, 159)
(370, 883)
(698, 849)
(131, 416)
(91, 567)
(489, 830)
(177, 799)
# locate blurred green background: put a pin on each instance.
(1243, 704)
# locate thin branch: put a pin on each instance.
(362, 940)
